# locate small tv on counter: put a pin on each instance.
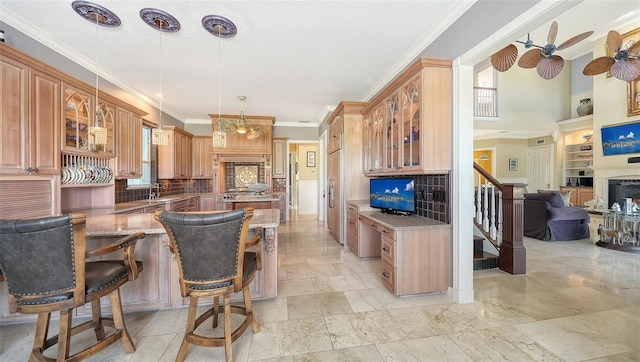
(621, 139)
(393, 195)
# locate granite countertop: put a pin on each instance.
(127, 206)
(125, 224)
(400, 222)
(251, 198)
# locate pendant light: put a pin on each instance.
(165, 23)
(220, 27)
(101, 16)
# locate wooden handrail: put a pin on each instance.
(506, 227)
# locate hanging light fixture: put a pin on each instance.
(99, 15)
(165, 23)
(220, 27)
(241, 126)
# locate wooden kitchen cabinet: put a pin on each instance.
(279, 158)
(202, 167)
(80, 115)
(30, 126)
(344, 165)
(174, 160)
(579, 195)
(128, 144)
(408, 124)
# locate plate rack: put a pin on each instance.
(85, 170)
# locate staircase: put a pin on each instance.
(483, 260)
(499, 212)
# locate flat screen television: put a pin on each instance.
(393, 195)
(621, 139)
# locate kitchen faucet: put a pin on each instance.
(156, 194)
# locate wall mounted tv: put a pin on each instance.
(393, 195)
(621, 139)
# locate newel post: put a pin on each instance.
(513, 255)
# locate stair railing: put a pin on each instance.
(499, 211)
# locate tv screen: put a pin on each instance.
(621, 139)
(392, 195)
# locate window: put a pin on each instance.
(485, 91)
(145, 180)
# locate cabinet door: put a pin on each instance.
(410, 98)
(128, 145)
(78, 118)
(45, 123)
(279, 158)
(201, 158)
(377, 139)
(106, 117)
(14, 116)
(391, 117)
(367, 143)
(333, 210)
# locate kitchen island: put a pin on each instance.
(158, 286)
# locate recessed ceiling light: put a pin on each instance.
(96, 13)
(160, 20)
(219, 26)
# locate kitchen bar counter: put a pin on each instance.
(125, 224)
(158, 285)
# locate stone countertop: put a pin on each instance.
(250, 198)
(132, 205)
(400, 222)
(126, 224)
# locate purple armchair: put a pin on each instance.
(546, 218)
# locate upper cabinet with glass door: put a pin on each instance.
(80, 117)
(415, 113)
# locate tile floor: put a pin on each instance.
(577, 302)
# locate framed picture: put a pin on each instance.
(631, 35)
(311, 159)
(513, 164)
(633, 98)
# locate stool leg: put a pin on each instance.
(96, 314)
(216, 310)
(227, 327)
(191, 326)
(42, 328)
(64, 336)
(246, 293)
(118, 321)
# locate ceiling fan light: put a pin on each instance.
(241, 127)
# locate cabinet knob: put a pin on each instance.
(385, 249)
(386, 275)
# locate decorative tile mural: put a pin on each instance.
(245, 175)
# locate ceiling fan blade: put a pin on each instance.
(626, 70)
(504, 58)
(549, 68)
(598, 65)
(614, 41)
(635, 48)
(228, 126)
(575, 40)
(254, 132)
(530, 59)
(553, 32)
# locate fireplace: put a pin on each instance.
(621, 189)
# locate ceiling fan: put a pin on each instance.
(542, 58)
(625, 63)
(240, 126)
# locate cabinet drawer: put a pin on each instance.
(384, 231)
(352, 224)
(352, 242)
(388, 250)
(150, 209)
(387, 275)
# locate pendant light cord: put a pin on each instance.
(219, 80)
(97, 69)
(161, 94)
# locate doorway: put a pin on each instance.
(302, 178)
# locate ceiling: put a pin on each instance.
(295, 60)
